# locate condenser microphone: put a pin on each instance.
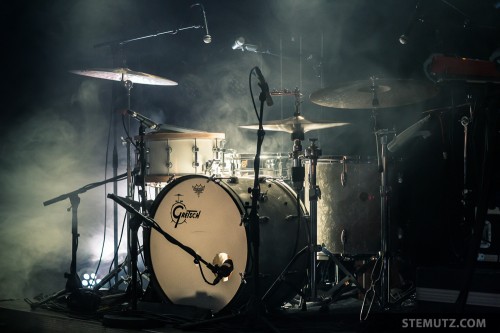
(403, 39)
(143, 119)
(263, 85)
(224, 270)
(238, 43)
(207, 38)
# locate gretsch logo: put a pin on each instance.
(180, 214)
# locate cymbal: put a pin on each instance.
(125, 74)
(377, 93)
(293, 124)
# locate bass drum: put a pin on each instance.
(206, 214)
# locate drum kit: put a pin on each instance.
(205, 190)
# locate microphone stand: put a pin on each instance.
(252, 220)
(73, 284)
(137, 219)
(116, 46)
(253, 226)
(126, 41)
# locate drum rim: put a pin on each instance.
(147, 235)
(172, 136)
(285, 188)
(346, 158)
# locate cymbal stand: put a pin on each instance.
(385, 246)
(130, 193)
(465, 121)
(312, 153)
(384, 217)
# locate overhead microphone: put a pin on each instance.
(263, 85)
(207, 38)
(143, 119)
(238, 43)
(415, 17)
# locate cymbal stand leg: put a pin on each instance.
(313, 152)
(130, 194)
(384, 216)
(465, 121)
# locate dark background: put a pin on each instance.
(57, 128)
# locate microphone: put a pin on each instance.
(263, 85)
(238, 43)
(143, 119)
(403, 39)
(224, 270)
(207, 38)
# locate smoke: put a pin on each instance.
(61, 140)
(53, 152)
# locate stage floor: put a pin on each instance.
(341, 315)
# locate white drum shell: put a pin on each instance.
(173, 154)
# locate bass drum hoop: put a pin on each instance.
(242, 292)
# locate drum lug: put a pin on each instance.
(168, 164)
(195, 150)
(264, 219)
(343, 175)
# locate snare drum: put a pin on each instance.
(206, 215)
(172, 154)
(272, 165)
(349, 220)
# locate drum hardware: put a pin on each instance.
(255, 306)
(384, 254)
(313, 153)
(73, 283)
(128, 78)
(350, 278)
(138, 219)
(298, 126)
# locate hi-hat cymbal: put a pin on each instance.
(374, 93)
(125, 74)
(293, 124)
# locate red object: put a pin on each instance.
(443, 68)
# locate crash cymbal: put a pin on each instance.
(293, 124)
(125, 74)
(374, 93)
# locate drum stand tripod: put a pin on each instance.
(73, 283)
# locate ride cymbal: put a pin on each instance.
(125, 74)
(293, 124)
(374, 93)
